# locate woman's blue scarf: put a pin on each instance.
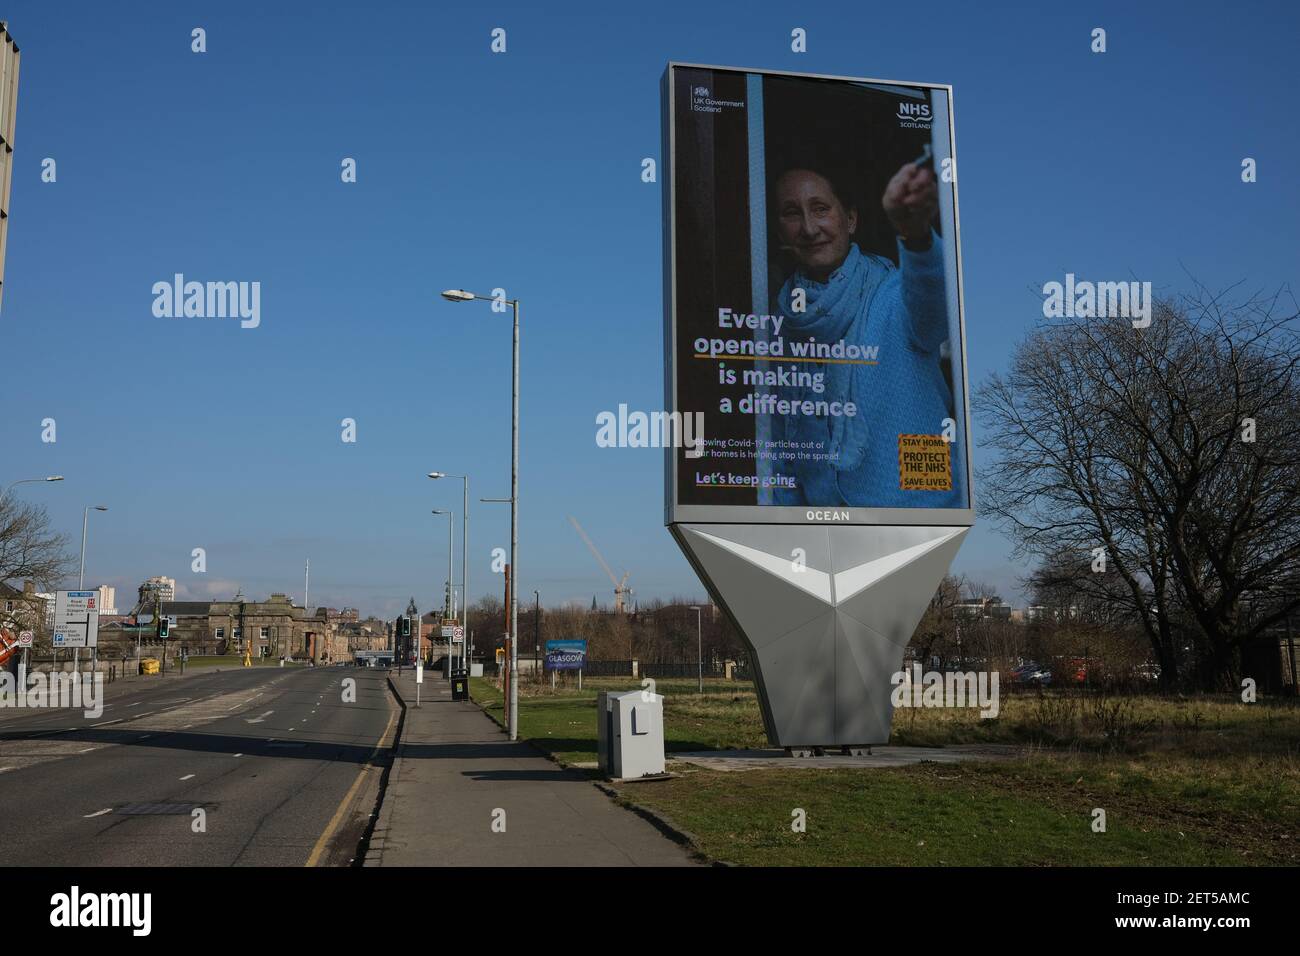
(837, 309)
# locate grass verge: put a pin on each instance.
(1202, 781)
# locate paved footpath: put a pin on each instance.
(455, 770)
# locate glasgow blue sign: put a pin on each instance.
(565, 655)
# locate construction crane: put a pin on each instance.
(621, 590)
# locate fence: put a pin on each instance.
(607, 669)
(661, 669)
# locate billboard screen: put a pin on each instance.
(814, 328)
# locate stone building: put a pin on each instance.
(272, 628)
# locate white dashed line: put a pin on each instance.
(86, 751)
(4, 769)
(99, 813)
(188, 776)
(239, 755)
(107, 722)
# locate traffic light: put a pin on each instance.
(406, 627)
(163, 624)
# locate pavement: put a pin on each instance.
(461, 794)
(284, 766)
(880, 757)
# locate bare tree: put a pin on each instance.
(936, 634)
(29, 548)
(1165, 456)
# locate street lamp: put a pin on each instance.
(23, 481)
(85, 516)
(464, 565)
(460, 295)
(451, 523)
(699, 635)
(81, 579)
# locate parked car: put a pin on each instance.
(1030, 674)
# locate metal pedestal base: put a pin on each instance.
(825, 613)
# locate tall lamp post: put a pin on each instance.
(699, 636)
(451, 523)
(537, 629)
(464, 566)
(460, 295)
(81, 581)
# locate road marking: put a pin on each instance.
(239, 755)
(87, 750)
(258, 720)
(107, 722)
(136, 704)
(99, 813)
(4, 769)
(188, 776)
(337, 820)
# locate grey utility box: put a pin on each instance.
(630, 734)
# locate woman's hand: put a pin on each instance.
(911, 201)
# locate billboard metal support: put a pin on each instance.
(825, 634)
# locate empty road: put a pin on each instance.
(262, 766)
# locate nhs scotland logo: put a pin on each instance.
(914, 115)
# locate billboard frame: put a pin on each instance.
(814, 515)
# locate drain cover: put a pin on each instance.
(150, 809)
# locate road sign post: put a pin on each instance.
(76, 619)
(25, 639)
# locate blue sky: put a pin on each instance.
(522, 171)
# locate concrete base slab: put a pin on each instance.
(731, 760)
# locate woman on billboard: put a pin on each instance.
(837, 293)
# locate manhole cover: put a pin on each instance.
(148, 809)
